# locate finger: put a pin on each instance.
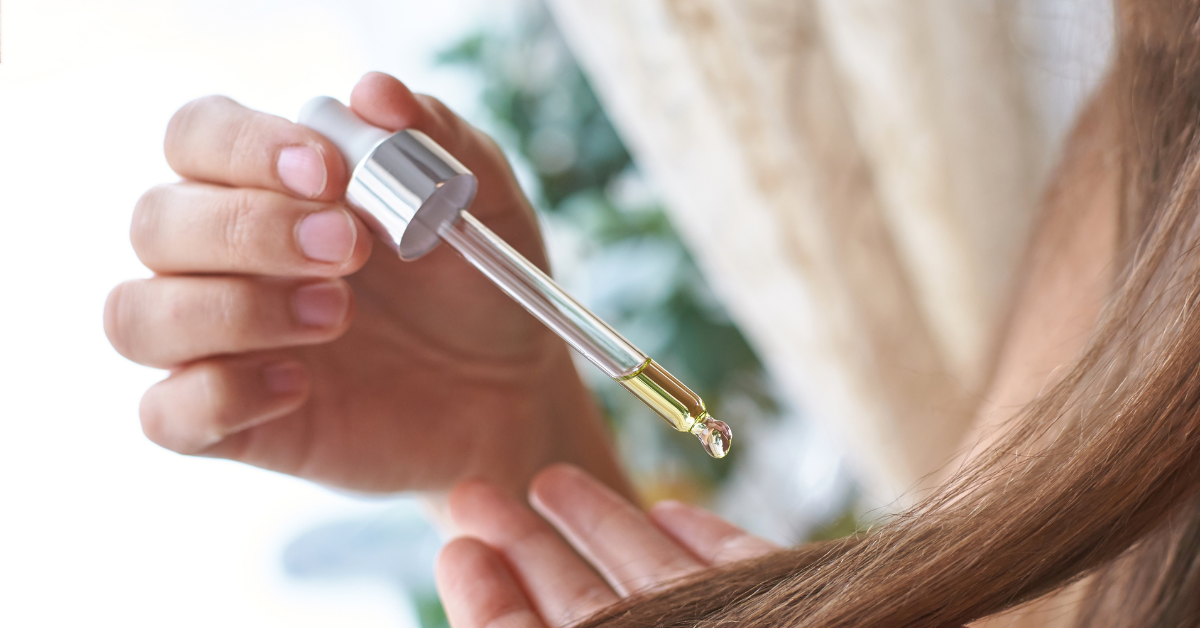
(167, 321)
(609, 531)
(477, 589)
(708, 537)
(196, 227)
(217, 140)
(201, 404)
(387, 103)
(563, 589)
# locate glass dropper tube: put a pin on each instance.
(412, 193)
(585, 332)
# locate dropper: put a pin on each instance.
(413, 194)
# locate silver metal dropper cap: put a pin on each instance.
(403, 185)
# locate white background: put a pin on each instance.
(97, 525)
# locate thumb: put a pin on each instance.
(387, 103)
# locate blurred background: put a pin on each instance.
(694, 189)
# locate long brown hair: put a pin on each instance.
(1097, 481)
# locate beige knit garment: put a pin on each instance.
(856, 177)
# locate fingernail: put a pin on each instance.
(302, 170)
(320, 304)
(285, 378)
(326, 236)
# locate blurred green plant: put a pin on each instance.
(430, 611)
(544, 113)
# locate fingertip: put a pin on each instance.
(668, 508)
(384, 101)
(708, 537)
(553, 482)
(217, 140)
(458, 561)
(463, 500)
(164, 430)
(109, 315)
(478, 588)
(174, 140)
(364, 245)
(286, 378)
(458, 552)
(144, 227)
(484, 510)
(323, 310)
(116, 327)
(309, 166)
(556, 473)
(336, 239)
(336, 169)
(304, 169)
(200, 405)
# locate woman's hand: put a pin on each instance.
(514, 571)
(296, 344)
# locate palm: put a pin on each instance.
(437, 376)
(437, 379)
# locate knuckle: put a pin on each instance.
(242, 142)
(159, 424)
(119, 317)
(186, 428)
(175, 314)
(232, 310)
(153, 420)
(219, 308)
(143, 229)
(216, 391)
(181, 121)
(182, 126)
(238, 219)
(175, 308)
(195, 108)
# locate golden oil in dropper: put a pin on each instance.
(681, 407)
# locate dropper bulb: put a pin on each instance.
(350, 133)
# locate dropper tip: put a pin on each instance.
(714, 435)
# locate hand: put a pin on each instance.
(297, 343)
(518, 573)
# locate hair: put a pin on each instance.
(1096, 483)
